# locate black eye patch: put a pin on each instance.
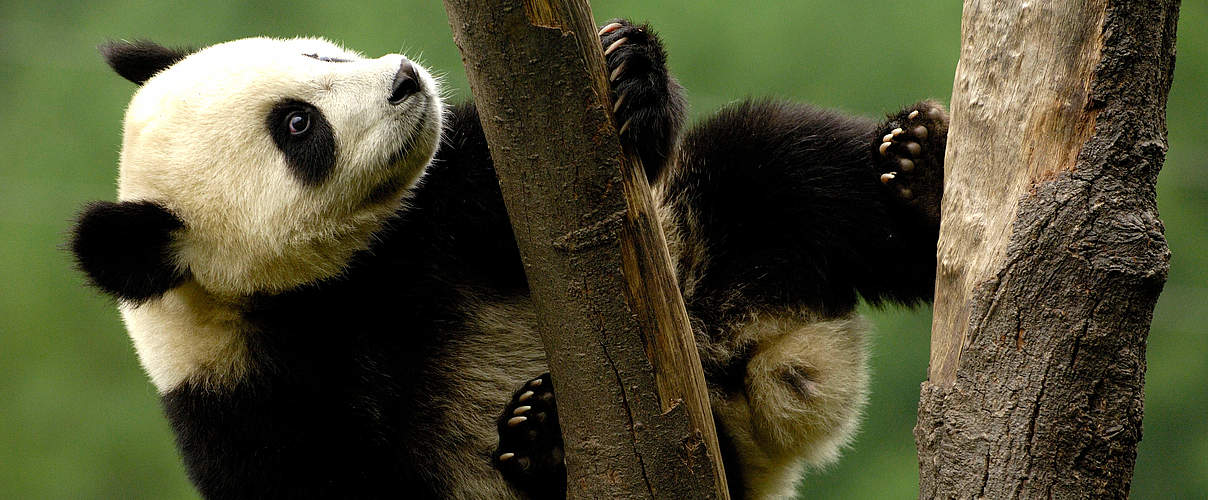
(310, 150)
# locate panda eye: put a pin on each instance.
(298, 122)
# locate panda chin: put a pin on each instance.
(403, 166)
(387, 192)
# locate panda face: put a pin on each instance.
(279, 157)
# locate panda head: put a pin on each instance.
(256, 165)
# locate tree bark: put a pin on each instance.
(1051, 253)
(631, 394)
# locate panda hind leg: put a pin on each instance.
(908, 152)
(805, 387)
(648, 104)
(530, 453)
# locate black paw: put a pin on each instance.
(910, 157)
(647, 103)
(530, 442)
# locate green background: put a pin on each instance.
(79, 420)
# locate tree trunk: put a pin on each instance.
(631, 394)
(1051, 253)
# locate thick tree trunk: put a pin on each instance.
(1051, 252)
(631, 395)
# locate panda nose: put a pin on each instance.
(406, 82)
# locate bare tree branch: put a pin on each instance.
(632, 401)
(1051, 252)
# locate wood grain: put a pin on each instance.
(631, 394)
(1051, 254)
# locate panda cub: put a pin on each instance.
(312, 257)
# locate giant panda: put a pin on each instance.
(311, 255)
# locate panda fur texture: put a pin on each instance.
(312, 257)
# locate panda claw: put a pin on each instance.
(615, 45)
(616, 73)
(896, 132)
(617, 105)
(609, 28)
(913, 114)
(888, 176)
(624, 127)
(885, 148)
(530, 452)
(887, 139)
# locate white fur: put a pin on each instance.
(196, 141)
(776, 428)
(188, 334)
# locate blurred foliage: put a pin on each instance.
(79, 420)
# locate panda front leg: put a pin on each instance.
(780, 217)
(805, 379)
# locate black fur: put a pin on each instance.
(125, 248)
(349, 392)
(311, 154)
(344, 399)
(139, 60)
(790, 194)
(652, 101)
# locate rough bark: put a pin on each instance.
(631, 395)
(1051, 253)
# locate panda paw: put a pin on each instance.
(530, 454)
(646, 102)
(909, 155)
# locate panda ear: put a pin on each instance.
(126, 248)
(139, 60)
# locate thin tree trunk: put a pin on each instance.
(631, 395)
(1051, 253)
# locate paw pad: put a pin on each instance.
(530, 452)
(910, 156)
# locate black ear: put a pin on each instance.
(139, 60)
(126, 248)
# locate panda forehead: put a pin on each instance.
(259, 59)
(262, 49)
(252, 74)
